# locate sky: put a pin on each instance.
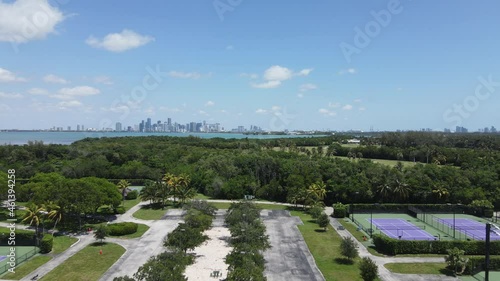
(277, 64)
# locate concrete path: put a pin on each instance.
(139, 250)
(383, 272)
(289, 258)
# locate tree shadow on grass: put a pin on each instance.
(344, 261)
(98, 244)
(447, 272)
(320, 230)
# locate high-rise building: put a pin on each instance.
(148, 125)
(69, 128)
(141, 127)
(78, 128)
(118, 127)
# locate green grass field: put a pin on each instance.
(419, 268)
(26, 268)
(61, 243)
(325, 248)
(128, 204)
(88, 264)
(148, 213)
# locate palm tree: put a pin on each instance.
(401, 189)
(122, 186)
(34, 215)
(384, 190)
(181, 187)
(55, 213)
(331, 151)
(170, 183)
(440, 192)
(149, 192)
(318, 190)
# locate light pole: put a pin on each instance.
(352, 204)
(371, 219)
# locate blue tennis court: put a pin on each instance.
(471, 228)
(401, 229)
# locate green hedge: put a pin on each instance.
(391, 246)
(122, 228)
(403, 208)
(120, 210)
(132, 195)
(474, 262)
(23, 237)
(46, 243)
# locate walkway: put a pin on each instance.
(383, 272)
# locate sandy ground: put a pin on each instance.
(210, 255)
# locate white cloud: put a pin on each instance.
(38, 91)
(276, 74)
(327, 112)
(184, 75)
(358, 100)
(8, 76)
(399, 89)
(300, 95)
(307, 87)
(51, 78)
(201, 112)
(348, 71)
(25, 20)
(103, 80)
(4, 108)
(334, 104)
(362, 109)
(261, 111)
(210, 103)
(120, 42)
(230, 47)
(347, 107)
(68, 93)
(305, 72)
(10, 95)
(267, 85)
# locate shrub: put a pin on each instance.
(475, 262)
(122, 228)
(132, 195)
(23, 237)
(202, 206)
(46, 243)
(368, 268)
(323, 221)
(315, 212)
(391, 246)
(120, 210)
(348, 248)
(339, 210)
(197, 219)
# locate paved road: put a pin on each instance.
(141, 249)
(289, 258)
(384, 273)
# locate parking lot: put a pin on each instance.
(289, 258)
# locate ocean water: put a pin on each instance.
(20, 138)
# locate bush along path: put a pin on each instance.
(383, 273)
(249, 240)
(171, 264)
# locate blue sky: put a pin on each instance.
(278, 64)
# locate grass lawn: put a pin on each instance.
(325, 248)
(128, 204)
(141, 229)
(419, 268)
(27, 267)
(61, 243)
(200, 196)
(225, 205)
(88, 264)
(146, 212)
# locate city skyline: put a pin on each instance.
(325, 65)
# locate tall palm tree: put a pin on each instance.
(181, 184)
(318, 190)
(384, 190)
(170, 183)
(401, 189)
(122, 186)
(34, 215)
(149, 192)
(55, 213)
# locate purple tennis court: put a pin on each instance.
(471, 228)
(401, 229)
